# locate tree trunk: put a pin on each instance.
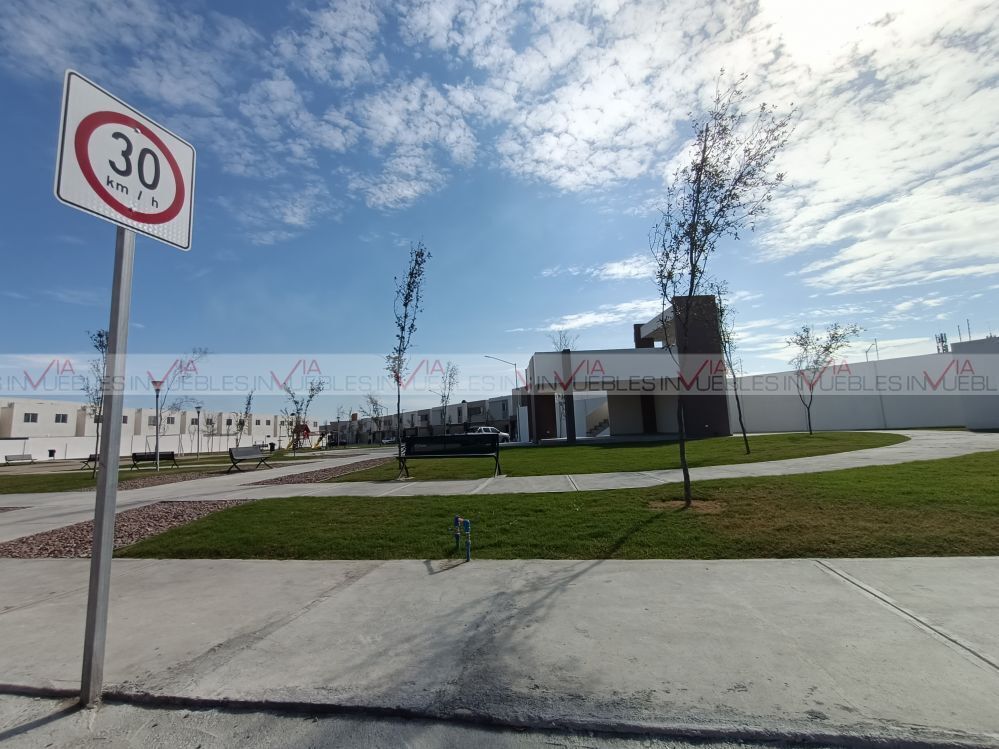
(682, 428)
(808, 417)
(97, 443)
(738, 409)
(398, 424)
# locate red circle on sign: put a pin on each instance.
(84, 132)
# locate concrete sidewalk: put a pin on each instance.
(44, 511)
(847, 651)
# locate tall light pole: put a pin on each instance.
(157, 384)
(516, 383)
(197, 410)
(512, 364)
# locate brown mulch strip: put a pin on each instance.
(325, 474)
(130, 526)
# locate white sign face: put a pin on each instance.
(123, 167)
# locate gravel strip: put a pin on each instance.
(8, 509)
(130, 526)
(317, 477)
(156, 479)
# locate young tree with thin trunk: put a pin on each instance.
(297, 416)
(723, 189)
(374, 409)
(93, 386)
(408, 304)
(726, 326)
(814, 353)
(449, 381)
(242, 420)
(178, 376)
(562, 340)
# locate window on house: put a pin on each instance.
(209, 422)
(228, 422)
(170, 419)
(98, 420)
(194, 422)
(257, 422)
(62, 418)
(268, 422)
(151, 421)
(124, 419)
(30, 418)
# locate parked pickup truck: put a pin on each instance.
(503, 436)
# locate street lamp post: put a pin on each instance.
(515, 385)
(157, 384)
(197, 410)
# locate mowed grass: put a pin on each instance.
(636, 456)
(929, 508)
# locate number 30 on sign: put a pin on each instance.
(117, 164)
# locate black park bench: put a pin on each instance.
(243, 454)
(90, 462)
(451, 446)
(165, 457)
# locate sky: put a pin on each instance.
(528, 146)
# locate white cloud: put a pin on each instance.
(637, 310)
(339, 46)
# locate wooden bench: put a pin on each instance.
(90, 462)
(243, 454)
(451, 446)
(165, 457)
(15, 459)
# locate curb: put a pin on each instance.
(636, 729)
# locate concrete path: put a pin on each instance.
(44, 511)
(844, 651)
(48, 511)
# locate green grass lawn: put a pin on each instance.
(929, 508)
(64, 481)
(635, 456)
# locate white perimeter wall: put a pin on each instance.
(785, 413)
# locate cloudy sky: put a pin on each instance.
(527, 145)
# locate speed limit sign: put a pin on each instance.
(117, 164)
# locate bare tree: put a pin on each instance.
(93, 385)
(242, 420)
(180, 373)
(449, 381)
(724, 188)
(297, 415)
(562, 340)
(726, 326)
(408, 304)
(374, 409)
(814, 352)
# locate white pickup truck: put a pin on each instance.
(503, 436)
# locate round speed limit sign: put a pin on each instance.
(122, 166)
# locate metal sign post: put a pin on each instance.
(95, 635)
(117, 164)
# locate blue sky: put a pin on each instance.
(527, 145)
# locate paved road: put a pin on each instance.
(44, 512)
(833, 649)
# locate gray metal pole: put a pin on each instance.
(95, 636)
(157, 429)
